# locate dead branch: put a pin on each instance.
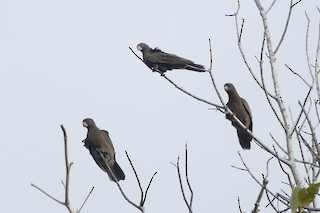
(188, 204)
(265, 182)
(143, 198)
(218, 107)
(66, 185)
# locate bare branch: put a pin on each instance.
(259, 183)
(285, 28)
(235, 13)
(145, 196)
(296, 3)
(276, 142)
(313, 133)
(181, 185)
(44, 192)
(307, 45)
(271, 6)
(188, 204)
(305, 165)
(265, 182)
(276, 86)
(68, 165)
(287, 174)
(241, 30)
(301, 112)
(218, 107)
(85, 200)
(141, 208)
(243, 55)
(239, 205)
(264, 88)
(138, 181)
(295, 73)
(210, 67)
(187, 177)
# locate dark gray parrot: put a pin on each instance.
(99, 140)
(160, 61)
(241, 109)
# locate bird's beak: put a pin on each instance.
(84, 124)
(139, 47)
(226, 88)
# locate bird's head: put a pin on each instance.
(142, 47)
(228, 87)
(88, 122)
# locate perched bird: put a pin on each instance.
(160, 61)
(241, 110)
(99, 141)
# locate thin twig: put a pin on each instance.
(117, 182)
(137, 178)
(145, 195)
(188, 204)
(277, 143)
(50, 196)
(285, 28)
(296, 3)
(187, 177)
(239, 205)
(181, 185)
(287, 174)
(302, 156)
(271, 202)
(85, 200)
(211, 62)
(265, 182)
(301, 111)
(68, 165)
(257, 181)
(241, 31)
(270, 7)
(295, 73)
(264, 88)
(218, 107)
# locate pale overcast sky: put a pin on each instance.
(63, 61)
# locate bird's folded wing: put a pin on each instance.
(246, 106)
(166, 58)
(107, 137)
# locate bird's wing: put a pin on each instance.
(161, 57)
(98, 159)
(107, 137)
(248, 111)
(246, 107)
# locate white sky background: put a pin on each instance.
(63, 61)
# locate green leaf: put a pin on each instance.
(307, 195)
(294, 202)
(303, 196)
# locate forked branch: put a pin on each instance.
(143, 196)
(66, 185)
(188, 203)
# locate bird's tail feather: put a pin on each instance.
(244, 139)
(195, 67)
(117, 171)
